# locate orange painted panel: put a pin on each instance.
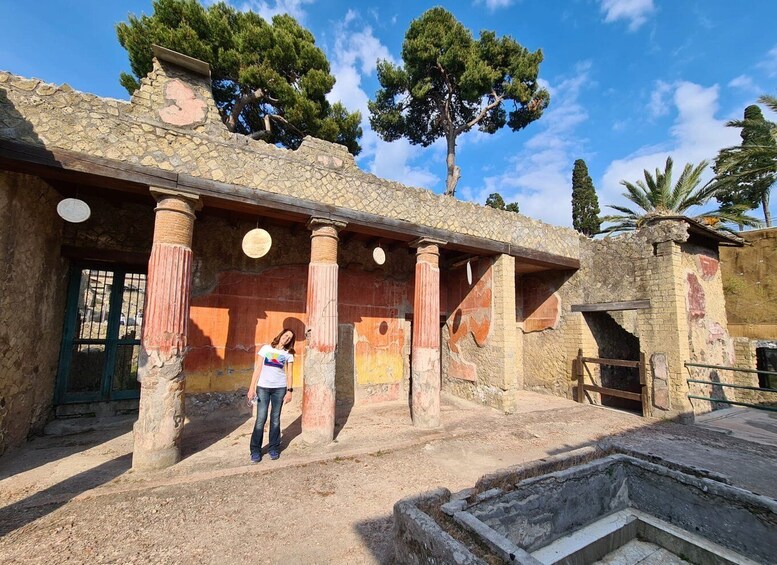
(243, 311)
(375, 306)
(246, 310)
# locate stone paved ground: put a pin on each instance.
(73, 499)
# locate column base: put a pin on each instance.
(426, 387)
(156, 459)
(318, 398)
(317, 437)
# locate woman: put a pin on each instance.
(271, 384)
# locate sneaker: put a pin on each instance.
(256, 458)
(274, 455)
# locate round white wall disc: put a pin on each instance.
(469, 273)
(379, 255)
(257, 243)
(73, 210)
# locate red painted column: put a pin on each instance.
(157, 433)
(318, 394)
(425, 355)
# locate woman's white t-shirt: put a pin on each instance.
(273, 365)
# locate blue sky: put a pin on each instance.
(631, 81)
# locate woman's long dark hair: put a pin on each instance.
(289, 346)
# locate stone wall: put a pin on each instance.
(750, 284)
(707, 331)
(480, 360)
(657, 264)
(31, 315)
(143, 133)
(543, 302)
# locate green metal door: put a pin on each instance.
(101, 342)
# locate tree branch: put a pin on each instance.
(474, 121)
(243, 101)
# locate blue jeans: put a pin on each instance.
(268, 398)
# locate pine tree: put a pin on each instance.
(450, 82)
(269, 79)
(495, 200)
(585, 203)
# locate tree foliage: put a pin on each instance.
(585, 203)
(748, 172)
(450, 83)
(269, 79)
(657, 196)
(495, 200)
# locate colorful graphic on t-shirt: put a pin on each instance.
(276, 360)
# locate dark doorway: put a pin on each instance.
(101, 341)
(614, 342)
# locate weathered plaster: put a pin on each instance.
(31, 315)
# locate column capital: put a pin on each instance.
(315, 223)
(174, 221)
(426, 242)
(161, 193)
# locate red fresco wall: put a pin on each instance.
(375, 305)
(245, 309)
(469, 312)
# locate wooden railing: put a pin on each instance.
(582, 387)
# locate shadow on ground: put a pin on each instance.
(43, 450)
(377, 535)
(23, 512)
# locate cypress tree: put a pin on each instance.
(746, 174)
(585, 203)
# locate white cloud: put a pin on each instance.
(392, 161)
(635, 11)
(769, 63)
(539, 176)
(658, 99)
(354, 56)
(744, 82)
(269, 8)
(494, 5)
(696, 134)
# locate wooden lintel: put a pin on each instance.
(107, 172)
(613, 362)
(612, 306)
(105, 255)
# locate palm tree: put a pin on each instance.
(748, 172)
(656, 196)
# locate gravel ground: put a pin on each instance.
(311, 507)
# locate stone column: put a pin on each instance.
(318, 394)
(425, 356)
(667, 342)
(504, 336)
(160, 369)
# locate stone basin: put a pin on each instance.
(613, 509)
